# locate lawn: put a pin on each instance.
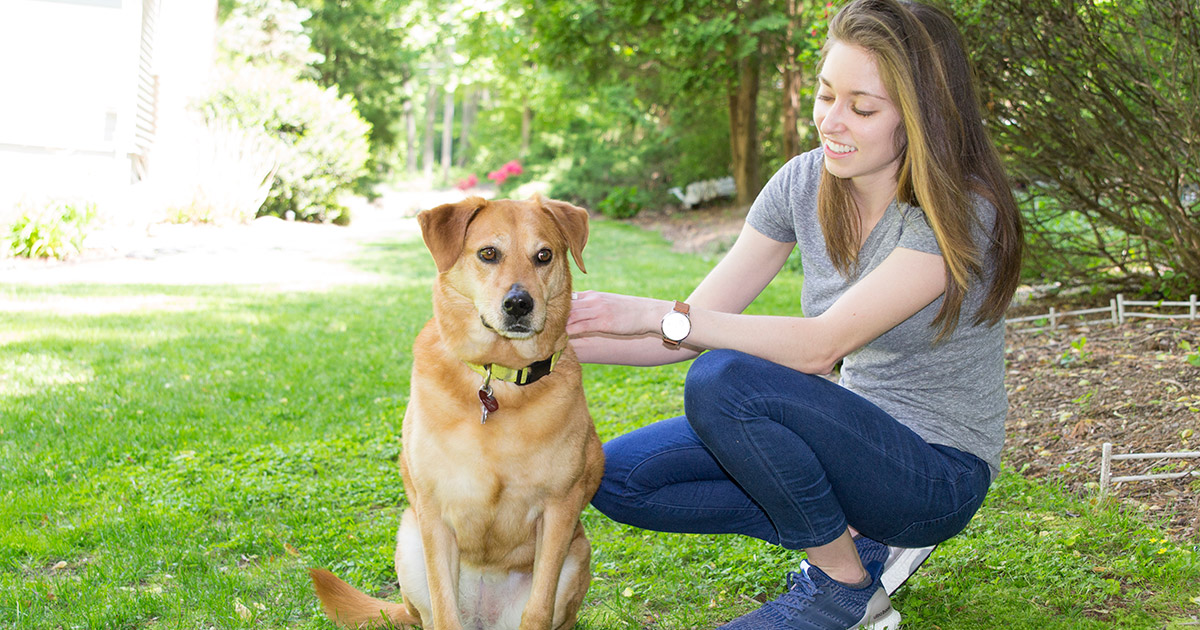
(177, 458)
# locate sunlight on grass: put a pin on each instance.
(29, 373)
(183, 468)
(74, 305)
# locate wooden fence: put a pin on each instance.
(1107, 458)
(1117, 312)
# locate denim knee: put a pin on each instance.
(611, 502)
(709, 389)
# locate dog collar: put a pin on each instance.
(523, 376)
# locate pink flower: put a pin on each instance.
(501, 174)
(469, 182)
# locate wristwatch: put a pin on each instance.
(676, 325)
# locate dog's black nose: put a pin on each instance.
(518, 302)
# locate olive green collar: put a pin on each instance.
(523, 376)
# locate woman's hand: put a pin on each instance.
(614, 314)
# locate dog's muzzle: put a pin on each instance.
(516, 309)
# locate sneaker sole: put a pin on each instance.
(880, 615)
(887, 621)
(902, 565)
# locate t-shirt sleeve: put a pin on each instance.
(916, 232)
(771, 214)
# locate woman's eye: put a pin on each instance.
(862, 113)
(489, 254)
(544, 256)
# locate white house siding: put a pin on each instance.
(81, 94)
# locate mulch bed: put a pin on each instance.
(1071, 391)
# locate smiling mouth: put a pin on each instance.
(840, 149)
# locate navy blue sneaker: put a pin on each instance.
(814, 601)
(899, 563)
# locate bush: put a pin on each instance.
(622, 203)
(1094, 104)
(595, 171)
(57, 230)
(320, 139)
(231, 177)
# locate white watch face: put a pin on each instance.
(676, 326)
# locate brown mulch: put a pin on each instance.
(1070, 391)
(1131, 385)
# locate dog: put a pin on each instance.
(500, 455)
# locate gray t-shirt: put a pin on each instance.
(949, 393)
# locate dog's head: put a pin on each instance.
(503, 272)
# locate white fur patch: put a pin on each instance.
(487, 600)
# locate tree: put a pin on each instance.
(367, 52)
(680, 50)
(1097, 106)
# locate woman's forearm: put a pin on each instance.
(645, 350)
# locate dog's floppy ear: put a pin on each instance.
(572, 221)
(444, 229)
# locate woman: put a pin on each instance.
(911, 245)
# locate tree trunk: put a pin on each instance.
(410, 135)
(526, 130)
(430, 119)
(743, 130)
(470, 104)
(791, 88)
(447, 133)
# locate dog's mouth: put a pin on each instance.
(511, 330)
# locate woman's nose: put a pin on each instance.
(833, 119)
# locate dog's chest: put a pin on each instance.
(492, 488)
(493, 516)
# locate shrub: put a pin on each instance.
(231, 177)
(56, 230)
(622, 203)
(1095, 106)
(321, 140)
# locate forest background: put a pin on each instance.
(1095, 106)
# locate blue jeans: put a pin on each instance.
(790, 458)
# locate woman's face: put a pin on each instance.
(856, 118)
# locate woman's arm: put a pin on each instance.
(611, 328)
(903, 284)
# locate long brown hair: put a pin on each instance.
(945, 152)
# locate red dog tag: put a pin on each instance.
(488, 401)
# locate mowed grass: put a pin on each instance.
(176, 457)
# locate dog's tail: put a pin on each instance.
(349, 607)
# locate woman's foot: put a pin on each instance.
(899, 563)
(814, 601)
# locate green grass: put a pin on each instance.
(180, 464)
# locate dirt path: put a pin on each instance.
(276, 254)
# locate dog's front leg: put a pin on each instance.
(555, 531)
(441, 567)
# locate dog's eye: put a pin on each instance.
(544, 256)
(489, 254)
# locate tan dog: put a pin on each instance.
(492, 539)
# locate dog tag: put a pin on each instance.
(487, 402)
(486, 399)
